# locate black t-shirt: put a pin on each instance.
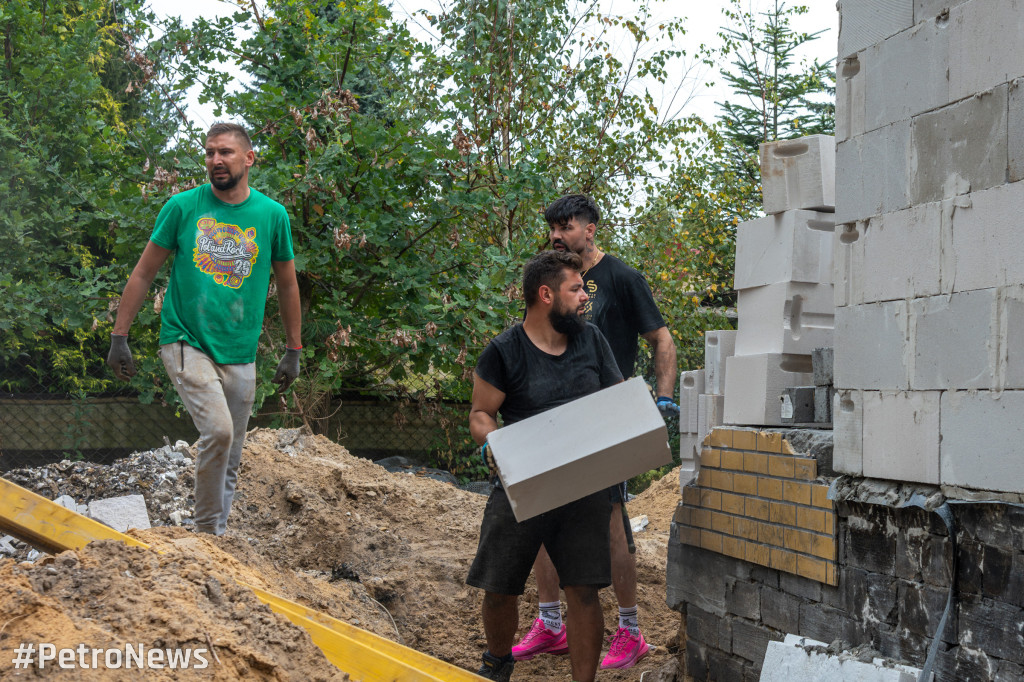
(534, 381)
(622, 307)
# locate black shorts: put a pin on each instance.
(575, 535)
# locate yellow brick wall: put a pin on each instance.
(757, 500)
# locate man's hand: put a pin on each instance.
(667, 407)
(120, 357)
(487, 456)
(288, 368)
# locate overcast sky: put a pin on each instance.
(703, 19)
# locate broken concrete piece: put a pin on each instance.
(121, 513)
(798, 659)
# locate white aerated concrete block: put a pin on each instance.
(848, 432)
(901, 435)
(799, 174)
(805, 660)
(690, 445)
(960, 147)
(873, 173)
(544, 462)
(121, 513)
(927, 10)
(718, 345)
(712, 410)
(982, 432)
(955, 341)
(906, 74)
(891, 273)
(691, 385)
(786, 247)
(986, 236)
(1015, 130)
(1011, 332)
(865, 22)
(848, 267)
(793, 317)
(985, 45)
(851, 98)
(872, 348)
(753, 384)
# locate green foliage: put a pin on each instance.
(774, 96)
(64, 156)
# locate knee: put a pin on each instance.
(583, 595)
(218, 437)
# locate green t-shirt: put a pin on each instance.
(221, 272)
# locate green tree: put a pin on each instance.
(774, 96)
(70, 113)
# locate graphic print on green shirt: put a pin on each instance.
(217, 293)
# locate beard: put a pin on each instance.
(227, 183)
(569, 323)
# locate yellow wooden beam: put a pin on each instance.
(341, 635)
(49, 526)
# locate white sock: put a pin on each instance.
(551, 614)
(628, 620)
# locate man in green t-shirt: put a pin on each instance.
(228, 238)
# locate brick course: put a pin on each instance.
(756, 500)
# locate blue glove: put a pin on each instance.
(487, 457)
(667, 407)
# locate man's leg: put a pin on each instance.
(547, 635)
(585, 626)
(628, 645)
(197, 381)
(240, 393)
(547, 577)
(501, 618)
(623, 563)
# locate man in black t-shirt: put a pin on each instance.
(551, 358)
(623, 308)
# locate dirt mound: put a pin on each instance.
(387, 552)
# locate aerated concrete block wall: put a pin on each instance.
(929, 269)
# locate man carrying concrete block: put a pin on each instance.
(623, 308)
(551, 358)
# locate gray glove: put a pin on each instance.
(120, 358)
(288, 368)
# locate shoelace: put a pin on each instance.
(619, 641)
(536, 631)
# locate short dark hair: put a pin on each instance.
(221, 128)
(547, 268)
(573, 206)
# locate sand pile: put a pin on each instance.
(384, 551)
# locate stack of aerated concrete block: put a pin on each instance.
(783, 280)
(929, 347)
(701, 400)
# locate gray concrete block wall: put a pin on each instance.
(929, 273)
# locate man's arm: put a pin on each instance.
(483, 417)
(152, 259)
(664, 351)
(288, 301)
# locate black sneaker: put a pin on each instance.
(495, 668)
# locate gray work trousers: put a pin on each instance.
(219, 398)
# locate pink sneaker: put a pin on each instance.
(540, 640)
(625, 650)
